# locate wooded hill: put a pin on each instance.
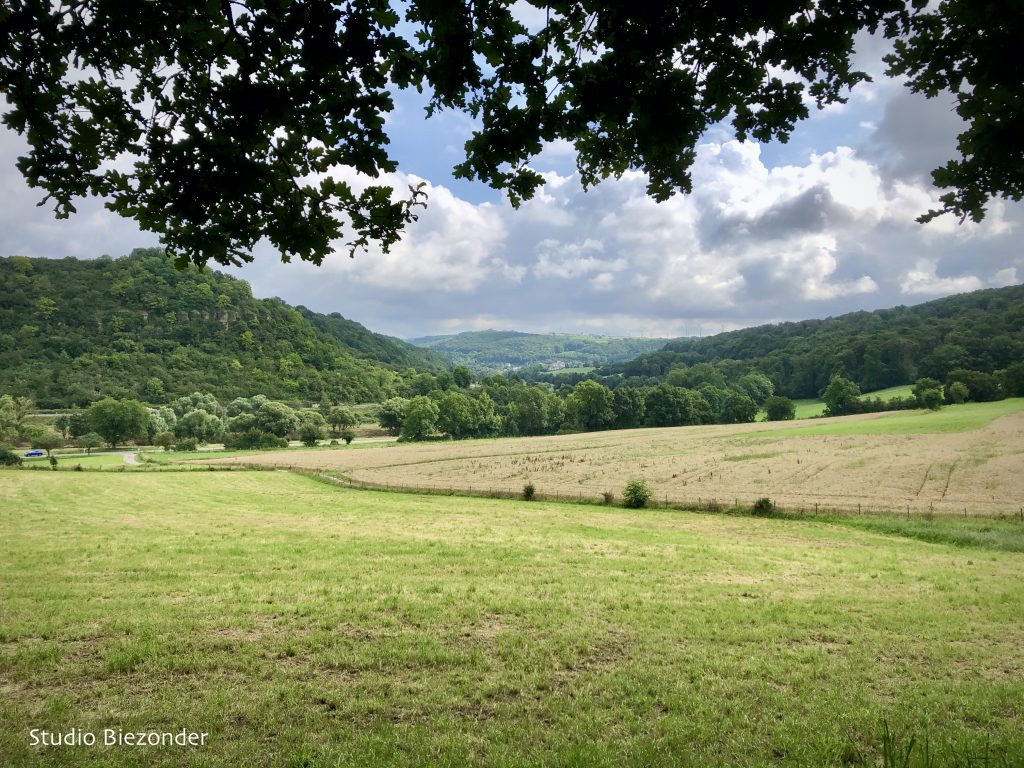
(74, 331)
(490, 351)
(979, 331)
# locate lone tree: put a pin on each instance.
(841, 396)
(118, 420)
(250, 120)
(778, 408)
(45, 437)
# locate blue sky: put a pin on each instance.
(816, 227)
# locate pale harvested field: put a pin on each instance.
(980, 470)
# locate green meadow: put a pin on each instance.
(952, 418)
(305, 625)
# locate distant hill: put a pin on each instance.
(368, 345)
(73, 331)
(981, 331)
(497, 350)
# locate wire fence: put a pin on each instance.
(664, 500)
(584, 495)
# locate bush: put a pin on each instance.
(310, 435)
(608, 496)
(636, 494)
(778, 408)
(9, 458)
(348, 435)
(529, 491)
(763, 507)
(253, 439)
(164, 439)
(186, 444)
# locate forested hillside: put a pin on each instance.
(366, 344)
(74, 331)
(978, 331)
(488, 351)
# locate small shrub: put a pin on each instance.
(9, 458)
(348, 435)
(186, 444)
(310, 435)
(608, 496)
(763, 507)
(53, 463)
(636, 494)
(529, 491)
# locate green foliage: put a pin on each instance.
(216, 168)
(200, 425)
(778, 408)
(276, 418)
(671, 406)
(763, 507)
(737, 408)
(164, 440)
(420, 420)
(957, 392)
(456, 415)
(44, 437)
(340, 417)
(979, 331)
(366, 345)
(529, 491)
(841, 396)
(118, 420)
(253, 439)
(982, 387)
(123, 325)
(756, 386)
(589, 406)
(348, 435)
(89, 441)
(462, 376)
(9, 458)
(391, 414)
(959, 47)
(929, 393)
(310, 434)
(636, 494)
(13, 411)
(628, 407)
(186, 444)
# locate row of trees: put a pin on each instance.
(256, 422)
(508, 406)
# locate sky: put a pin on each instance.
(817, 227)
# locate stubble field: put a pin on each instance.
(962, 458)
(301, 624)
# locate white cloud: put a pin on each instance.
(829, 233)
(924, 280)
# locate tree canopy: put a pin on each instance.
(219, 124)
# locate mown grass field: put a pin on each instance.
(965, 457)
(304, 625)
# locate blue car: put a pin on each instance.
(33, 454)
